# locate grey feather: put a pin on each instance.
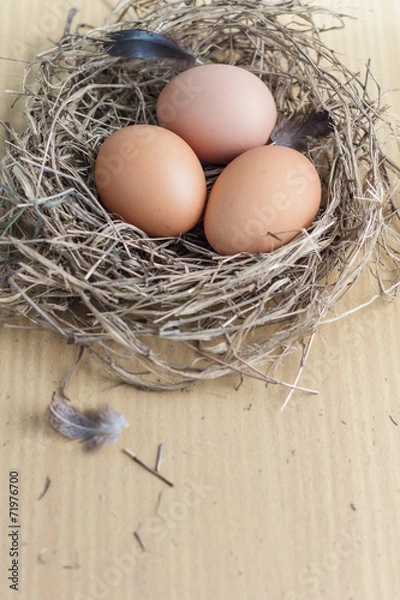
(94, 428)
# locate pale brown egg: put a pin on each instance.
(149, 177)
(262, 200)
(220, 110)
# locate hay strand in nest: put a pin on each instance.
(68, 265)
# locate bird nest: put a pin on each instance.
(163, 313)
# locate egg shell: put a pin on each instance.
(220, 110)
(150, 177)
(262, 200)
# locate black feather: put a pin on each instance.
(298, 130)
(148, 45)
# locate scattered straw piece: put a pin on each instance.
(46, 487)
(146, 466)
(40, 556)
(139, 540)
(160, 452)
(75, 565)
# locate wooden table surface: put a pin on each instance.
(299, 504)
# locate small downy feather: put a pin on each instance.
(299, 129)
(93, 428)
(148, 45)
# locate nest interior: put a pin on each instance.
(68, 265)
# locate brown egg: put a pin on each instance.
(150, 177)
(220, 110)
(262, 200)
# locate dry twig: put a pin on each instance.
(147, 467)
